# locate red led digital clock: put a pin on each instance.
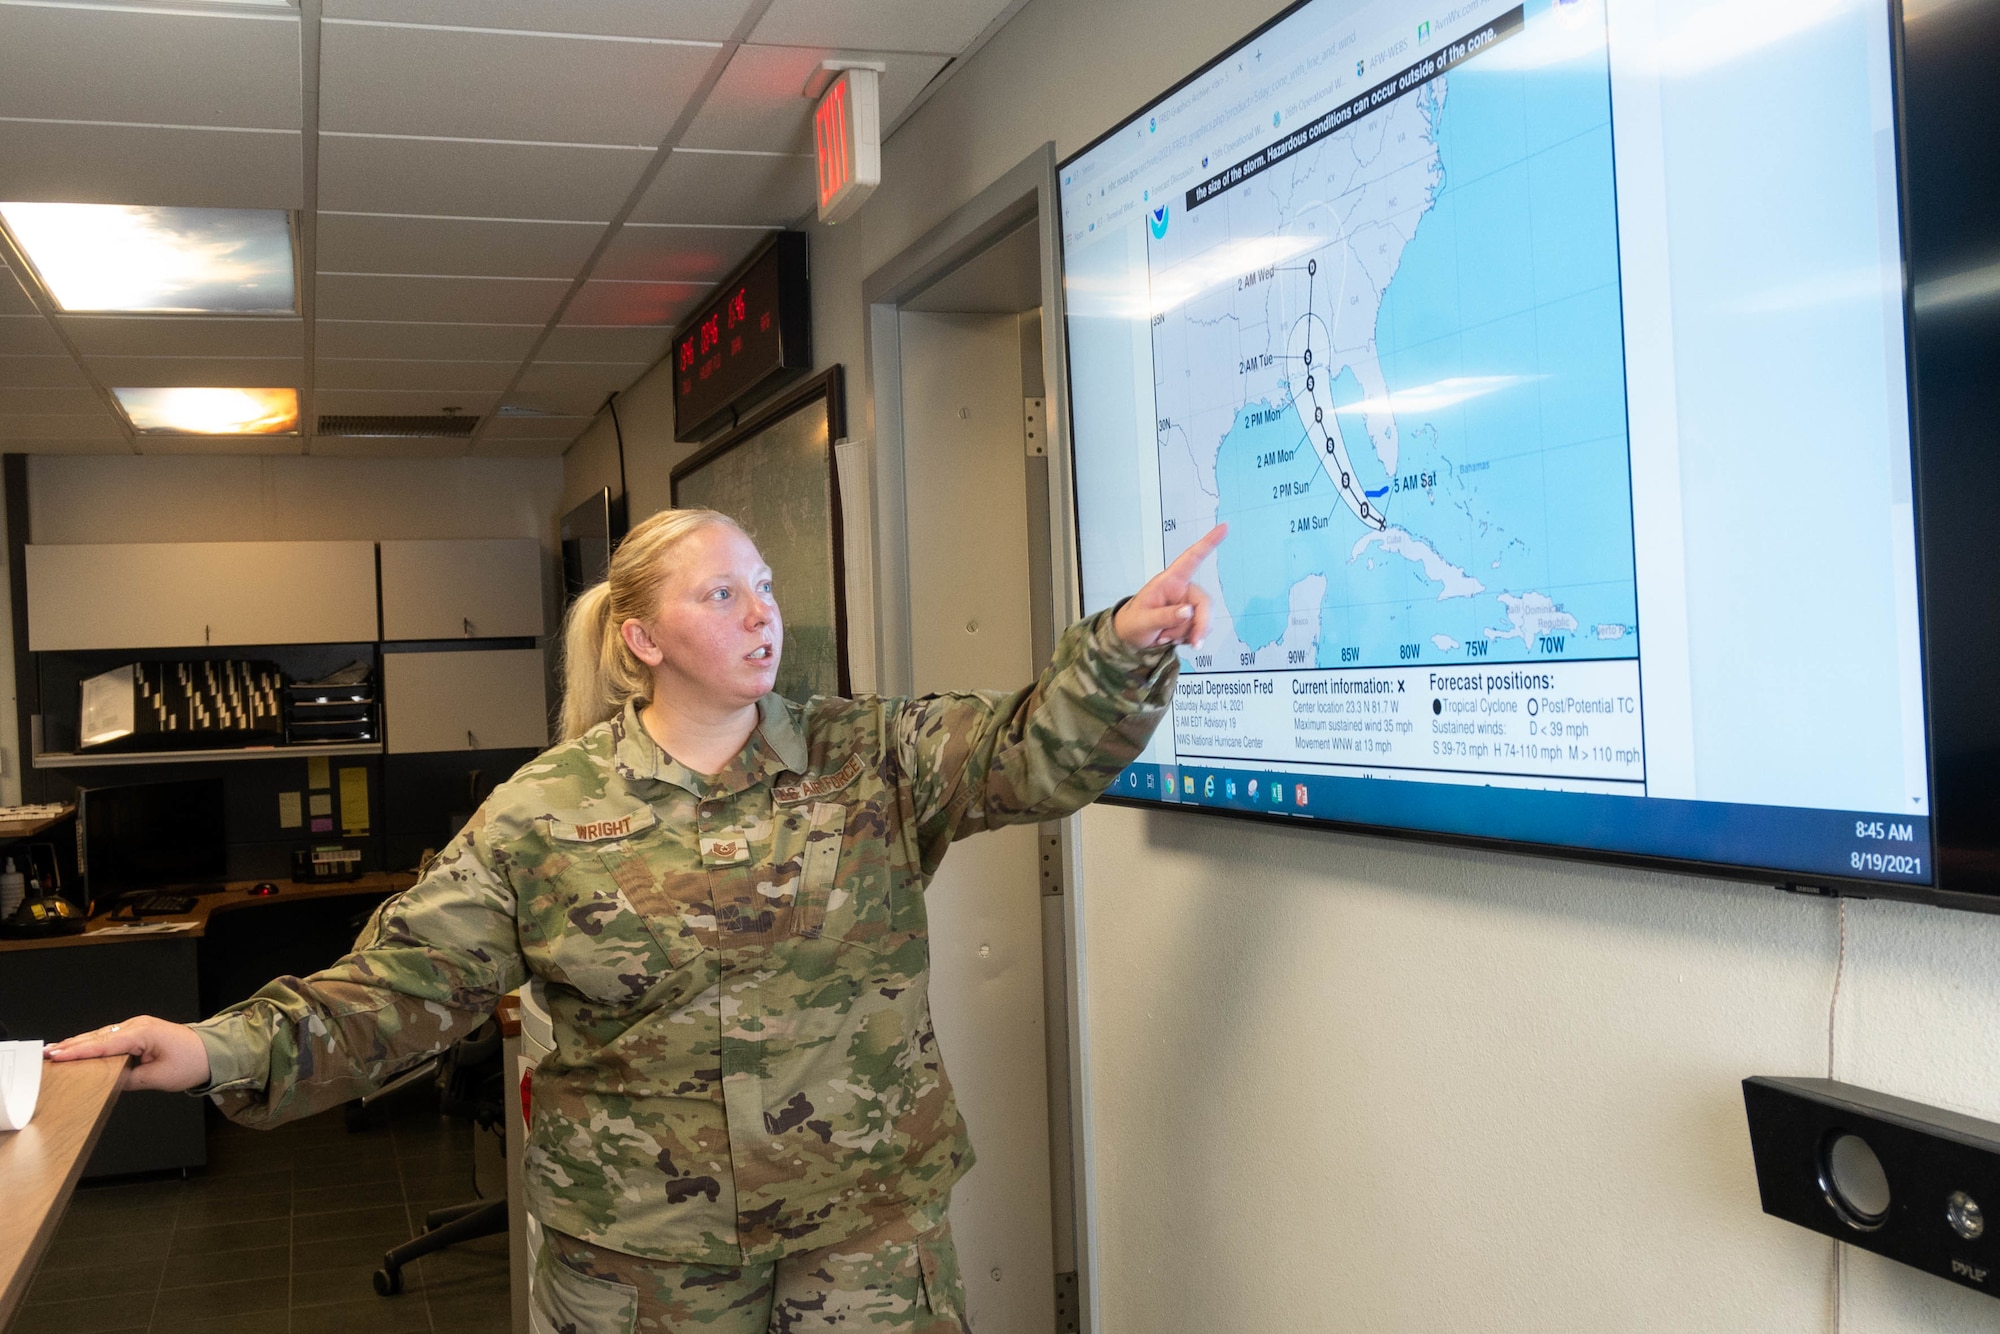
(749, 338)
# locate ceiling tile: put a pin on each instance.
(426, 342)
(760, 103)
(371, 374)
(475, 300)
(385, 79)
(596, 343)
(767, 190)
(534, 428)
(603, 377)
(403, 402)
(219, 444)
(166, 335)
(123, 164)
(678, 254)
(28, 336)
(36, 372)
(109, 444)
(45, 426)
(368, 447)
(474, 180)
(559, 402)
(628, 303)
(490, 448)
(74, 63)
(693, 20)
(13, 300)
(221, 372)
(57, 402)
(355, 244)
(946, 26)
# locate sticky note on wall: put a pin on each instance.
(353, 802)
(291, 811)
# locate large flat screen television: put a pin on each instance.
(1551, 364)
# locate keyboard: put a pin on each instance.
(160, 905)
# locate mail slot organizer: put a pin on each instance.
(181, 706)
(1909, 1182)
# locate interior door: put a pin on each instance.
(966, 479)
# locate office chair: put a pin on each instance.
(469, 1085)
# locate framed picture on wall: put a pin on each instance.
(774, 474)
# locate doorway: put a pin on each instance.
(968, 598)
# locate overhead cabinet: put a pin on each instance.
(469, 699)
(462, 589)
(149, 595)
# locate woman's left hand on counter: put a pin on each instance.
(172, 1057)
(1171, 608)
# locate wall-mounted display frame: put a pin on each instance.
(774, 474)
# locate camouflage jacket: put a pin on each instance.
(736, 965)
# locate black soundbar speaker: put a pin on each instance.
(1892, 1176)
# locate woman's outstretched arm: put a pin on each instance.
(983, 759)
(429, 966)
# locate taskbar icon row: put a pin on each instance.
(1232, 788)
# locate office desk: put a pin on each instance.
(51, 989)
(232, 897)
(39, 1165)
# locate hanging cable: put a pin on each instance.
(619, 431)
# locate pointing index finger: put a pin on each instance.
(1184, 565)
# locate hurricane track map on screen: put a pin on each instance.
(1409, 406)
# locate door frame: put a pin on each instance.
(1025, 193)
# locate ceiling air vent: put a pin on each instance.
(403, 428)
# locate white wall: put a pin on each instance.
(1346, 1084)
(646, 418)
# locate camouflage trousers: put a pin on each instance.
(894, 1280)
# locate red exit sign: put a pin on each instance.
(847, 137)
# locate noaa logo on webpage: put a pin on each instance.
(1157, 220)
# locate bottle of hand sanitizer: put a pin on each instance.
(13, 887)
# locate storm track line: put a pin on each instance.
(1324, 423)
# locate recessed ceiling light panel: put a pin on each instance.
(211, 411)
(161, 261)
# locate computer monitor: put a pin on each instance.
(146, 836)
(590, 533)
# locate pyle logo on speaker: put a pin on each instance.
(1972, 1272)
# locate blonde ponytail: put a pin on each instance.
(600, 675)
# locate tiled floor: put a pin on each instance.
(279, 1235)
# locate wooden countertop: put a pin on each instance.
(232, 897)
(14, 830)
(39, 1164)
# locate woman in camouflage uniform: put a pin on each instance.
(745, 1124)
